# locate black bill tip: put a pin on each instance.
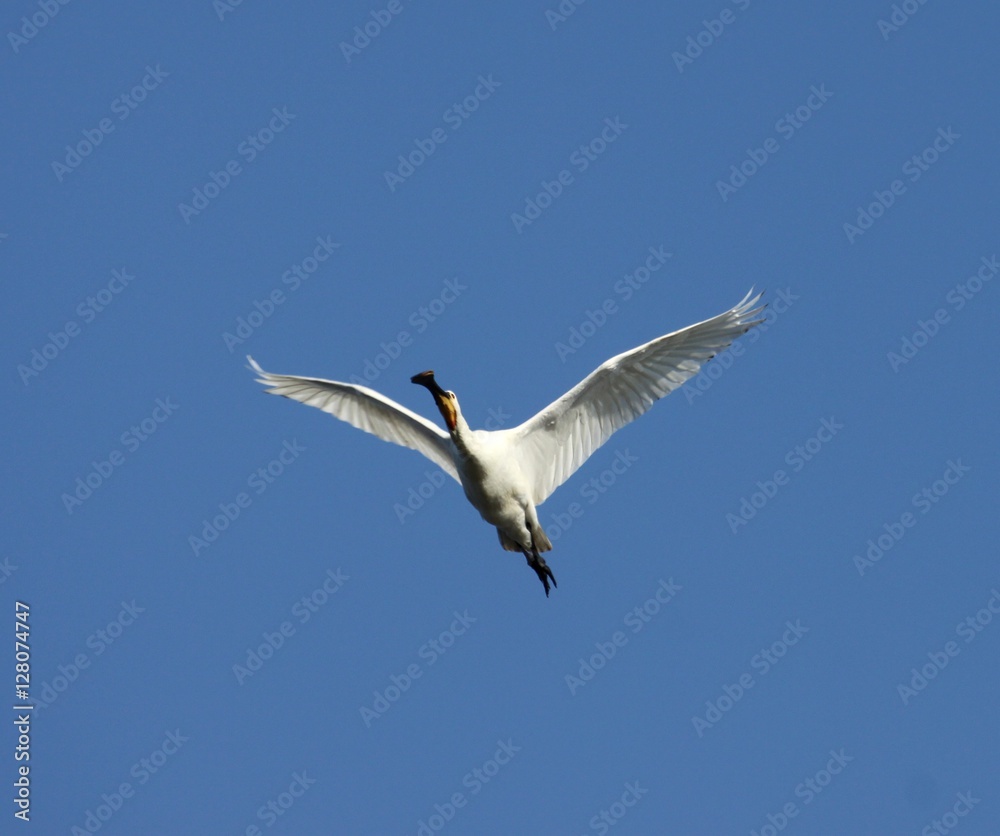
(427, 379)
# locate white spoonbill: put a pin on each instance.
(507, 473)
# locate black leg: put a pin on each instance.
(541, 568)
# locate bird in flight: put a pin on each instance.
(507, 473)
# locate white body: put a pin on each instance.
(497, 487)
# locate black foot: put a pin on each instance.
(537, 562)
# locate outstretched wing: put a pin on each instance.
(367, 410)
(553, 444)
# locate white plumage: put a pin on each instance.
(506, 473)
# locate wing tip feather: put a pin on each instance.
(748, 311)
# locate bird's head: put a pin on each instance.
(446, 401)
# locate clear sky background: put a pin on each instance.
(817, 511)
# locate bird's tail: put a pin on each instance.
(541, 540)
(507, 543)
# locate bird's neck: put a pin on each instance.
(462, 435)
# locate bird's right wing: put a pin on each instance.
(367, 410)
(552, 445)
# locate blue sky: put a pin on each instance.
(777, 603)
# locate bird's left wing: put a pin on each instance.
(367, 410)
(553, 444)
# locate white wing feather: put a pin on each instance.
(552, 445)
(367, 410)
